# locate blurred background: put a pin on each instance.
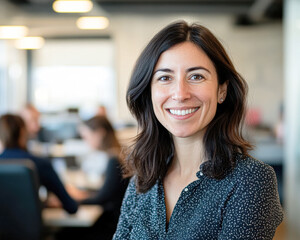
(70, 70)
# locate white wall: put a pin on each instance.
(292, 116)
(12, 78)
(12, 65)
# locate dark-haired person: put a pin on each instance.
(100, 136)
(193, 177)
(13, 138)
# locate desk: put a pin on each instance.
(85, 216)
(81, 180)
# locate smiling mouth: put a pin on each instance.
(183, 111)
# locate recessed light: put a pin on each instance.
(72, 6)
(12, 32)
(92, 22)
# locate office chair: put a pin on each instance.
(20, 207)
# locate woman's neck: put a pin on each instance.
(189, 155)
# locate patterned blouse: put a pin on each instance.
(243, 205)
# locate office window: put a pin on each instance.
(74, 73)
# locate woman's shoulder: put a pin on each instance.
(131, 189)
(114, 164)
(247, 167)
(130, 197)
(133, 193)
(134, 201)
(247, 163)
(113, 159)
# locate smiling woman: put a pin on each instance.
(185, 90)
(193, 176)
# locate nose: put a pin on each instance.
(181, 91)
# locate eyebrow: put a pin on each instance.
(188, 70)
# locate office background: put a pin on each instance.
(264, 46)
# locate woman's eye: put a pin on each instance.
(164, 78)
(197, 77)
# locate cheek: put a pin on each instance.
(157, 99)
(88, 139)
(211, 105)
(209, 95)
(96, 141)
(158, 96)
(91, 139)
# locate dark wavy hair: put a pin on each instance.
(154, 144)
(11, 129)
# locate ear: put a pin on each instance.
(222, 92)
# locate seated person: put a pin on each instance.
(31, 117)
(13, 138)
(100, 136)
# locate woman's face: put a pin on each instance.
(185, 90)
(93, 138)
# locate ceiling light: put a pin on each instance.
(92, 22)
(72, 6)
(29, 43)
(12, 32)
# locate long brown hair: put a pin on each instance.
(11, 129)
(154, 144)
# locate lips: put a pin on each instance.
(182, 112)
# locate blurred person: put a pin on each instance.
(100, 136)
(101, 111)
(36, 134)
(193, 175)
(31, 117)
(13, 138)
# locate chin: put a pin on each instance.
(181, 134)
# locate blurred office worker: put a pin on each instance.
(100, 136)
(31, 117)
(13, 138)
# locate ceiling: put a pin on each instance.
(247, 12)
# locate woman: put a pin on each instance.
(193, 177)
(100, 136)
(13, 138)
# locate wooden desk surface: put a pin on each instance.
(85, 216)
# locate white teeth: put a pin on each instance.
(182, 112)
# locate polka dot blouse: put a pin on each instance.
(243, 205)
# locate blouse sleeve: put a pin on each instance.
(127, 211)
(51, 181)
(252, 210)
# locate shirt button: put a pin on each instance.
(186, 189)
